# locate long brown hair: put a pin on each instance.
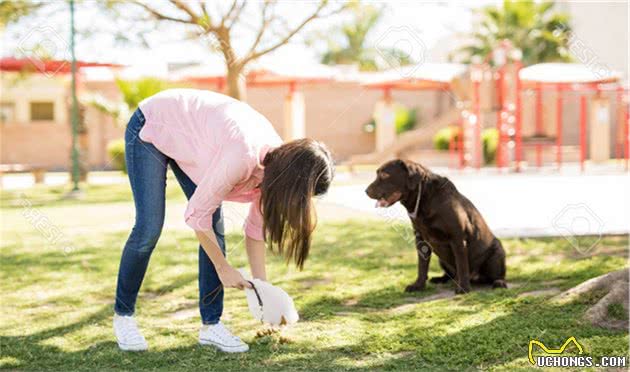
(294, 173)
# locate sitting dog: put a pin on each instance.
(445, 222)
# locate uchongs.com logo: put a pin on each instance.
(554, 358)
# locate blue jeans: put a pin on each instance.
(146, 166)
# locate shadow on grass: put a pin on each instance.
(498, 340)
(389, 297)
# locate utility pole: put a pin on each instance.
(75, 106)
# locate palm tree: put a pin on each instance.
(347, 45)
(132, 92)
(541, 33)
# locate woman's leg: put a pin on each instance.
(146, 167)
(210, 288)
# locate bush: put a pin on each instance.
(134, 91)
(443, 137)
(404, 120)
(116, 152)
(490, 140)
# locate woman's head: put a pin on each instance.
(294, 173)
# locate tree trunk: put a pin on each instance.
(84, 145)
(609, 290)
(236, 83)
(235, 80)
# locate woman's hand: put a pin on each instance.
(231, 278)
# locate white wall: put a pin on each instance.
(602, 27)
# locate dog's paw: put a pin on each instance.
(415, 287)
(439, 279)
(462, 289)
(499, 284)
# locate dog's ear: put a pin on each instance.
(413, 174)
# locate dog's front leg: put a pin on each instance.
(424, 257)
(460, 250)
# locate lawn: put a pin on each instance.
(57, 303)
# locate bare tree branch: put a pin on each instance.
(184, 7)
(204, 10)
(229, 12)
(263, 27)
(283, 40)
(206, 21)
(235, 16)
(158, 15)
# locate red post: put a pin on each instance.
(620, 123)
(499, 89)
(517, 126)
(559, 126)
(477, 131)
(626, 124)
(460, 140)
(387, 94)
(451, 150)
(539, 119)
(583, 114)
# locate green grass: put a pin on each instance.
(616, 311)
(56, 306)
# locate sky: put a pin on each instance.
(420, 27)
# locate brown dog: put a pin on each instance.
(445, 223)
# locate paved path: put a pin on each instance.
(529, 204)
(525, 204)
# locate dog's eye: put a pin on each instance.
(383, 175)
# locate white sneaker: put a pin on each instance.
(220, 337)
(128, 335)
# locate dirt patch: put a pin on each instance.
(185, 314)
(413, 301)
(351, 302)
(312, 282)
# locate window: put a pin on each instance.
(7, 112)
(42, 111)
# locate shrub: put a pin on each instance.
(443, 137)
(404, 120)
(116, 152)
(134, 91)
(490, 140)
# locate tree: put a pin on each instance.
(607, 296)
(348, 42)
(541, 33)
(13, 10)
(132, 91)
(351, 48)
(270, 33)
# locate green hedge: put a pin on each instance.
(489, 138)
(116, 152)
(443, 137)
(404, 120)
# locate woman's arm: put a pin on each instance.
(230, 277)
(256, 257)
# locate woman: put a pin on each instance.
(219, 149)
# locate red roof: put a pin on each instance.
(45, 66)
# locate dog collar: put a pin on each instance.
(415, 210)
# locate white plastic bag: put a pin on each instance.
(270, 304)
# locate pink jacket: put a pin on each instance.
(219, 142)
